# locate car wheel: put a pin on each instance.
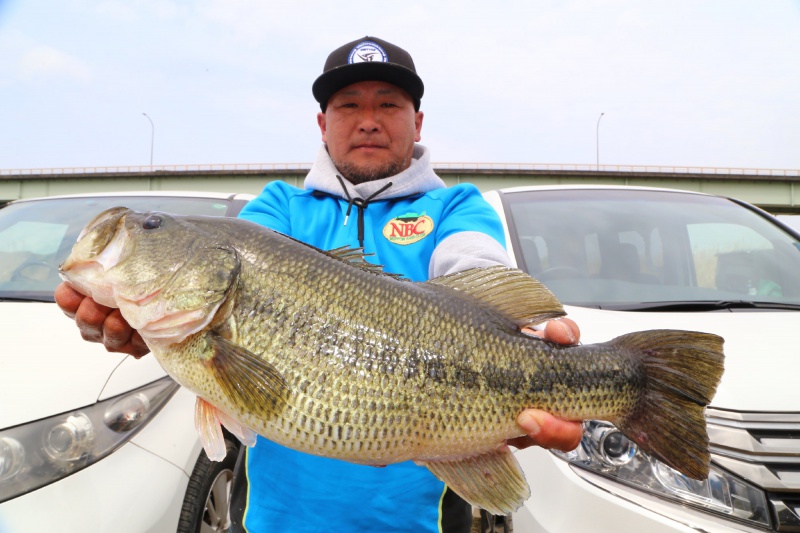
(206, 507)
(495, 524)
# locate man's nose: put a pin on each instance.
(368, 122)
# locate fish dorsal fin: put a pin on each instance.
(493, 481)
(357, 258)
(509, 291)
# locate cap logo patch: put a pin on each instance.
(367, 51)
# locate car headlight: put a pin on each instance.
(606, 451)
(38, 453)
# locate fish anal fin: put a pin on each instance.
(509, 291)
(493, 481)
(250, 383)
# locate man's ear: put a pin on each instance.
(418, 116)
(321, 122)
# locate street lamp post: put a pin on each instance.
(152, 138)
(597, 139)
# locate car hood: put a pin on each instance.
(760, 347)
(48, 369)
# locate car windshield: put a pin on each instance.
(36, 236)
(657, 250)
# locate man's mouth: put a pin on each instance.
(368, 146)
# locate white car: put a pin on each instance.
(89, 440)
(624, 259)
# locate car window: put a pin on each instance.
(36, 236)
(621, 248)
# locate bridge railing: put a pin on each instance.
(464, 166)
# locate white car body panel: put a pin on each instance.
(42, 369)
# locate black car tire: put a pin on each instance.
(206, 505)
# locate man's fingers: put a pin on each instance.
(547, 431)
(119, 336)
(562, 331)
(137, 346)
(68, 299)
(116, 331)
(98, 323)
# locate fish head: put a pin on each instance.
(169, 275)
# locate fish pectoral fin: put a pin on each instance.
(208, 425)
(248, 381)
(493, 481)
(509, 291)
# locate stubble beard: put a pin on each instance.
(356, 174)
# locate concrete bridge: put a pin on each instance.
(775, 190)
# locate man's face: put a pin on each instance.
(370, 128)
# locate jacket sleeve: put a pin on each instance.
(469, 235)
(271, 207)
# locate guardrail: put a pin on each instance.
(620, 168)
(465, 166)
(154, 168)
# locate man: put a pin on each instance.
(367, 181)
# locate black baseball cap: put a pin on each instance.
(368, 59)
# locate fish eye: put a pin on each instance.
(152, 222)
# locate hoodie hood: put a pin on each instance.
(418, 178)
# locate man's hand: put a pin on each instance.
(98, 323)
(544, 429)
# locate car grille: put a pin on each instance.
(763, 448)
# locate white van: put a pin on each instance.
(624, 259)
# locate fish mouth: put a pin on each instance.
(100, 241)
(99, 248)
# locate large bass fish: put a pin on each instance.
(324, 353)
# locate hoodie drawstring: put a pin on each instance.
(361, 203)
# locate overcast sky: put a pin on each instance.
(711, 83)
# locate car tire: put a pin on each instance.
(206, 506)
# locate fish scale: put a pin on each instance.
(324, 353)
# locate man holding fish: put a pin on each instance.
(371, 186)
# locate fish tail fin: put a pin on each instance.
(681, 371)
